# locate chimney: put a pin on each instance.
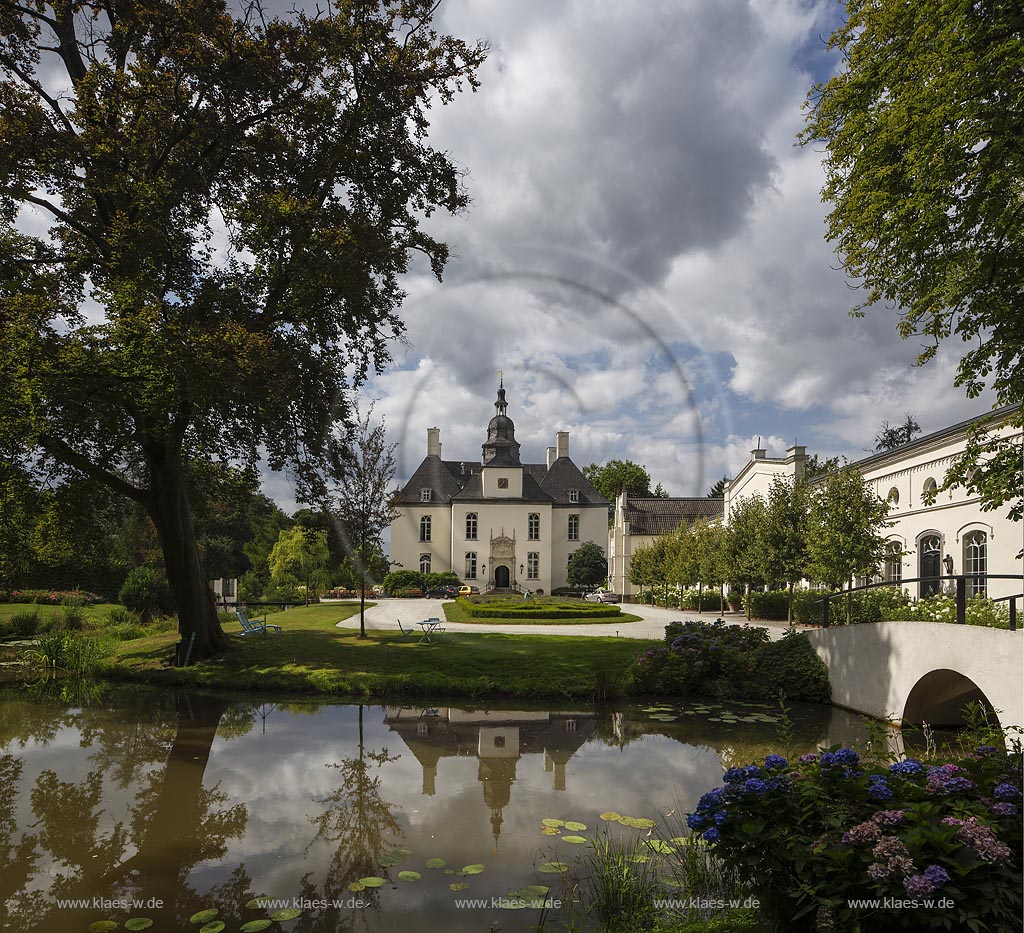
(797, 455)
(433, 442)
(562, 444)
(551, 456)
(758, 453)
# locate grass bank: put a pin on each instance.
(313, 655)
(460, 611)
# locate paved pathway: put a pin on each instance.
(652, 624)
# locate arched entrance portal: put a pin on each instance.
(939, 699)
(501, 577)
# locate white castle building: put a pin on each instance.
(499, 524)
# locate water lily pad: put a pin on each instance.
(458, 886)
(409, 876)
(138, 923)
(449, 871)
(553, 823)
(288, 913)
(435, 863)
(575, 840)
(576, 827)
(550, 831)
(203, 916)
(553, 868)
(256, 902)
(102, 926)
(611, 816)
(659, 845)
(254, 926)
(214, 926)
(473, 869)
(642, 822)
(714, 719)
(373, 881)
(689, 712)
(530, 891)
(356, 886)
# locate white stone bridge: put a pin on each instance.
(918, 672)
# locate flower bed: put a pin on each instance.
(811, 837)
(49, 597)
(719, 660)
(539, 609)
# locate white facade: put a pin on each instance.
(498, 524)
(926, 539)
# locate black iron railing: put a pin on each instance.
(960, 593)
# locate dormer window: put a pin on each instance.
(425, 495)
(574, 495)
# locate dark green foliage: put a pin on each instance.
(771, 605)
(719, 660)
(146, 591)
(399, 581)
(610, 478)
(587, 566)
(791, 668)
(434, 580)
(25, 624)
(538, 609)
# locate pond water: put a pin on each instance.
(184, 802)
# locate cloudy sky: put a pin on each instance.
(644, 254)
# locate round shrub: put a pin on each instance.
(146, 591)
(25, 624)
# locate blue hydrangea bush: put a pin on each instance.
(811, 836)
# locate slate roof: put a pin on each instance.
(462, 480)
(657, 516)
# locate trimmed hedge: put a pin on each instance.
(540, 611)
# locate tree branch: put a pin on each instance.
(63, 452)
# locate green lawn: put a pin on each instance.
(93, 614)
(456, 612)
(314, 656)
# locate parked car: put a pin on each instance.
(442, 592)
(601, 596)
(465, 590)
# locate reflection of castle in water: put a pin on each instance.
(497, 739)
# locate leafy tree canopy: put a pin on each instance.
(149, 132)
(609, 478)
(924, 163)
(587, 566)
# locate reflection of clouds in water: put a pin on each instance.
(493, 776)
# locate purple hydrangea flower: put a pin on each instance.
(735, 776)
(847, 756)
(710, 801)
(752, 771)
(986, 749)
(755, 786)
(774, 762)
(982, 840)
(918, 886)
(808, 758)
(695, 821)
(958, 785)
(711, 835)
(1004, 809)
(862, 833)
(888, 817)
(720, 818)
(1006, 792)
(937, 875)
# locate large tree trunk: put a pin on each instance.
(172, 516)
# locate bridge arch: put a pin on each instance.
(940, 696)
(919, 671)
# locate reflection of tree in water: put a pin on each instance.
(175, 822)
(359, 822)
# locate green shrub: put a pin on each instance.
(146, 591)
(720, 660)
(811, 837)
(791, 667)
(773, 605)
(122, 615)
(25, 624)
(398, 580)
(709, 600)
(980, 610)
(567, 591)
(72, 652)
(540, 610)
(72, 613)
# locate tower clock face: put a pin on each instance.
(503, 482)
